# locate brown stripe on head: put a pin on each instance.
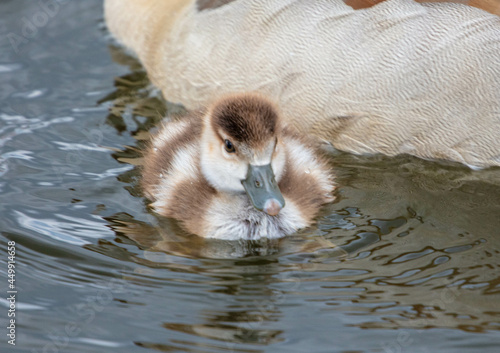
(247, 118)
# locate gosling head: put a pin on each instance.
(242, 150)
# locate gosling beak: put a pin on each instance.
(263, 190)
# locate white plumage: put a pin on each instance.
(399, 77)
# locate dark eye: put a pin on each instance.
(229, 146)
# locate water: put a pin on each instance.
(406, 260)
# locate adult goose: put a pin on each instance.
(398, 77)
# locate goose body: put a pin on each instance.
(398, 77)
(235, 171)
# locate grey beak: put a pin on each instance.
(263, 190)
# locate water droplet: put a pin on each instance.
(161, 175)
(155, 149)
(307, 171)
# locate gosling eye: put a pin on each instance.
(229, 146)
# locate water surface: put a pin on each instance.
(406, 260)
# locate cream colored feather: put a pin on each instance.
(399, 77)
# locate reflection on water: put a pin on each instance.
(406, 259)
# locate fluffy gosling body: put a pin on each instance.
(235, 171)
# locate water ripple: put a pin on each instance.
(75, 231)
